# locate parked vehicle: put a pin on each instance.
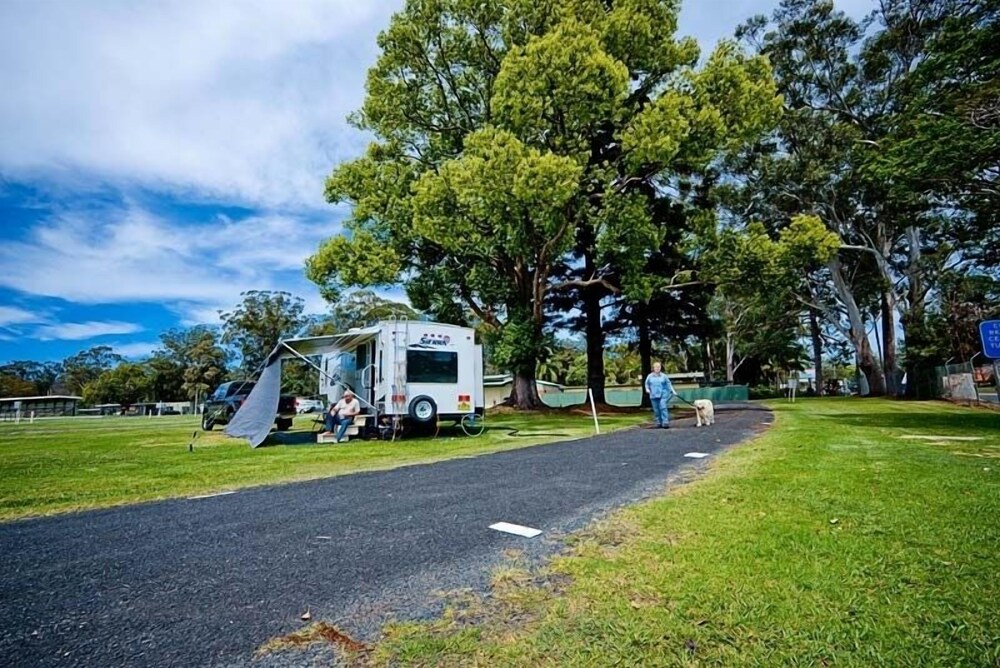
(309, 405)
(222, 404)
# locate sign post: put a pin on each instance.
(989, 332)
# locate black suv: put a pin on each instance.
(221, 405)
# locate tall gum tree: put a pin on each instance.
(503, 129)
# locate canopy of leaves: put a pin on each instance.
(256, 326)
(28, 378)
(194, 359)
(503, 128)
(125, 384)
(86, 366)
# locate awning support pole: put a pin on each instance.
(328, 376)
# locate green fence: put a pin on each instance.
(632, 396)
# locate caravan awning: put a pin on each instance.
(255, 417)
(319, 345)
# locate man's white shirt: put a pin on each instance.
(348, 408)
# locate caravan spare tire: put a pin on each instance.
(423, 410)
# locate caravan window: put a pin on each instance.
(431, 366)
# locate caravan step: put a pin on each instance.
(353, 430)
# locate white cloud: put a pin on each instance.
(12, 315)
(133, 256)
(79, 331)
(225, 101)
(136, 350)
(234, 101)
(198, 314)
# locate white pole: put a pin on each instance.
(17, 416)
(593, 408)
(996, 378)
(32, 417)
(972, 368)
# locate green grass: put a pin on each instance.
(830, 540)
(61, 465)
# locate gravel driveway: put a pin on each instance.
(204, 582)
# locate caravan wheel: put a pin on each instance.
(423, 410)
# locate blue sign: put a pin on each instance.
(989, 330)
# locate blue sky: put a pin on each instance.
(158, 158)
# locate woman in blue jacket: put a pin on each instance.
(660, 390)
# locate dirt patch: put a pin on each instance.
(320, 632)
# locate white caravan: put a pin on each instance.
(410, 369)
(405, 370)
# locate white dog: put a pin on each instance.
(704, 411)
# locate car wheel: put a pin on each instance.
(423, 410)
(207, 423)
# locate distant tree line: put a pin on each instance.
(191, 362)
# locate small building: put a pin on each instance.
(56, 405)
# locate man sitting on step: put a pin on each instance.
(341, 414)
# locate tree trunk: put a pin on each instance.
(889, 343)
(730, 354)
(524, 394)
(817, 345)
(870, 367)
(858, 334)
(645, 351)
(914, 320)
(709, 363)
(595, 341)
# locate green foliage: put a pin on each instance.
(501, 203)
(890, 136)
(260, 321)
(359, 260)
(125, 384)
(563, 81)
(196, 356)
(945, 136)
(759, 281)
(508, 131)
(15, 386)
(953, 325)
(28, 378)
(360, 309)
(516, 346)
(167, 382)
(87, 366)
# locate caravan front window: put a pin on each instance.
(431, 366)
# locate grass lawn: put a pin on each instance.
(68, 464)
(843, 536)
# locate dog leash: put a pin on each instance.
(684, 400)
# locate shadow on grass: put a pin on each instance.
(978, 420)
(291, 438)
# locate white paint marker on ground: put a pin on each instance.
(209, 496)
(696, 455)
(516, 529)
